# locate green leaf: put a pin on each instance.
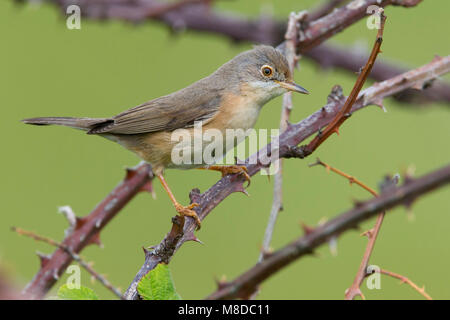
(158, 285)
(83, 293)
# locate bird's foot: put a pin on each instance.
(187, 211)
(232, 169)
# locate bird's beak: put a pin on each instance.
(292, 86)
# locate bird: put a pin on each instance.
(229, 98)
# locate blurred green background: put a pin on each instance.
(104, 68)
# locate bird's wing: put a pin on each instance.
(177, 110)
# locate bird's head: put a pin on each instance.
(264, 71)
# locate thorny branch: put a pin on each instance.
(73, 255)
(197, 15)
(248, 282)
(86, 230)
(406, 280)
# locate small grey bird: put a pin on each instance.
(230, 98)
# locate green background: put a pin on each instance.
(105, 68)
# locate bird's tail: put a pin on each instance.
(77, 123)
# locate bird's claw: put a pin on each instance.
(187, 211)
(236, 169)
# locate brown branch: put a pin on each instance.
(197, 16)
(86, 230)
(73, 255)
(247, 283)
(294, 135)
(406, 280)
(277, 202)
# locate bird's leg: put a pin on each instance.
(182, 210)
(231, 169)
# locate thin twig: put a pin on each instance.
(73, 255)
(350, 178)
(245, 284)
(277, 202)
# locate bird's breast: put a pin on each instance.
(237, 112)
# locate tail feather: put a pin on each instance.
(77, 123)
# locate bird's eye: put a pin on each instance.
(266, 71)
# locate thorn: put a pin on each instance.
(357, 203)
(240, 188)
(267, 171)
(436, 58)
(146, 251)
(318, 162)
(409, 173)
(336, 130)
(44, 258)
(79, 222)
(69, 214)
(148, 187)
(266, 253)
(306, 229)
(333, 246)
(95, 239)
(222, 282)
(192, 237)
(367, 233)
(55, 274)
(130, 173)
(322, 221)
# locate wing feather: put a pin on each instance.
(198, 102)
